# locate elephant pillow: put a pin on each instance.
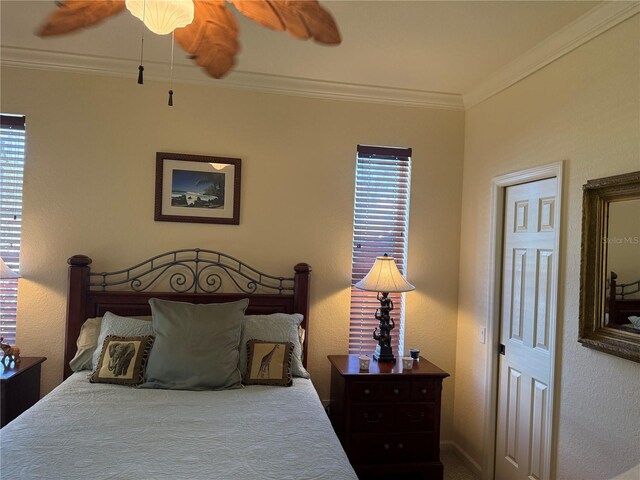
(269, 363)
(112, 324)
(123, 360)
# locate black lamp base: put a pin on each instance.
(384, 354)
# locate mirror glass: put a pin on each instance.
(622, 263)
(610, 266)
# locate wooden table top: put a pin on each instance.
(25, 364)
(349, 365)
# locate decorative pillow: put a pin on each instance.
(277, 327)
(269, 363)
(196, 346)
(123, 360)
(122, 327)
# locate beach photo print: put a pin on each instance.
(197, 188)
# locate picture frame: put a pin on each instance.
(197, 188)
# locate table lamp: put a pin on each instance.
(384, 278)
(6, 272)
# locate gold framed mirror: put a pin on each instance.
(610, 269)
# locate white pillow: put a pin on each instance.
(277, 327)
(122, 327)
(86, 343)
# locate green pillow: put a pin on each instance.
(196, 346)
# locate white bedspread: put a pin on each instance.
(97, 431)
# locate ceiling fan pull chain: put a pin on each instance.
(140, 67)
(171, 75)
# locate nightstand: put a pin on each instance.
(20, 387)
(387, 419)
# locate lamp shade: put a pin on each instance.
(162, 16)
(6, 272)
(384, 276)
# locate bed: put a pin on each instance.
(623, 303)
(85, 430)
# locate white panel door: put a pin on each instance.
(527, 318)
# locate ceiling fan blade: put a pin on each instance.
(301, 18)
(74, 14)
(262, 12)
(212, 38)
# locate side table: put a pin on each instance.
(20, 387)
(387, 418)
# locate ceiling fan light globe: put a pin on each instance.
(162, 16)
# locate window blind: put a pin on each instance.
(380, 225)
(12, 148)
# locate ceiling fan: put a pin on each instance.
(211, 36)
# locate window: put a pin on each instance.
(12, 146)
(380, 225)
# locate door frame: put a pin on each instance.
(498, 187)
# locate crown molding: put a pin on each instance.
(88, 64)
(570, 37)
(584, 28)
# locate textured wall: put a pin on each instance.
(584, 109)
(89, 188)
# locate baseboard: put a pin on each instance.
(470, 463)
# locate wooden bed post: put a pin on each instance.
(76, 305)
(612, 299)
(301, 302)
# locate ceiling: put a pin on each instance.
(423, 46)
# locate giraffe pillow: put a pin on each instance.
(277, 327)
(269, 363)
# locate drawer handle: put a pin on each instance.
(424, 390)
(396, 391)
(415, 418)
(386, 446)
(400, 446)
(375, 419)
(367, 391)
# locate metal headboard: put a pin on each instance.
(192, 270)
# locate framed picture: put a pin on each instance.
(197, 188)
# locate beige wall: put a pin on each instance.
(584, 109)
(89, 188)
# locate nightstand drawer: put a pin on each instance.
(414, 417)
(380, 391)
(424, 390)
(383, 417)
(365, 391)
(371, 418)
(383, 448)
(394, 391)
